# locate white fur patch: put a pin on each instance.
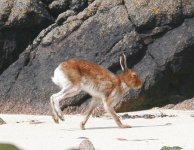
(60, 78)
(124, 87)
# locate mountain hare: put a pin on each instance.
(75, 75)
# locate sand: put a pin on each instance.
(30, 132)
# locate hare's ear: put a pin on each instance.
(123, 62)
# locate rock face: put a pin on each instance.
(20, 22)
(167, 68)
(156, 36)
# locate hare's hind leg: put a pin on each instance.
(56, 98)
(55, 105)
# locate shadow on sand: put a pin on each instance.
(115, 127)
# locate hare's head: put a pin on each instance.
(129, 76)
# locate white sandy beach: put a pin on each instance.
(41, 133)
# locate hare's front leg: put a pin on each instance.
(92, 106)
(107, 105)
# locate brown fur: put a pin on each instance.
(77, 68)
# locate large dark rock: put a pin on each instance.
(20, 22)
(101, 29)
(167, 69)
(100, 33)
